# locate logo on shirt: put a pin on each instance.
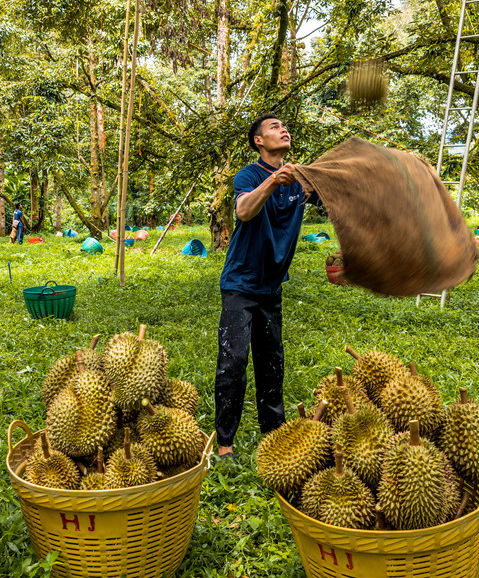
(293, 198)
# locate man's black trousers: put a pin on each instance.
(245, 319)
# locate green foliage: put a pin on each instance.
(240, 530)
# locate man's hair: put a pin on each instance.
(17, 205)
(255, 129)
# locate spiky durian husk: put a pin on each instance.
(56, 471)
(414, 490)
(82, 416)
(119, 355)
(338, 500)
(136, 369)
(93, 481)
(289, 455)
(374, 369)
(64, 370)
(121, 472)
(172, 436)
(364, 437)
(408, 398)
(329, 391)
(179, 394)
(453, 483)
(460, 439)
(170, 472)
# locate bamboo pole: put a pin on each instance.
(126, 150)
(122, 130)
(173, 217)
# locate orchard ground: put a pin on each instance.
(240, 531)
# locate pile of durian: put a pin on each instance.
(335, 259)
(377, 450)
(115, 420)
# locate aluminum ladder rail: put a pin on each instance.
(472, 111)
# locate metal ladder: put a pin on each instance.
(455, 75)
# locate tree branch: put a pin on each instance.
(75, 206)
(279, 43)
(439, 76)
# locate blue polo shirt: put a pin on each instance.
(261, 250)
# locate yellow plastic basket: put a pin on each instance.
(139, 532)
(447, 551)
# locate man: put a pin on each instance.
(269, 205)
(18, 223)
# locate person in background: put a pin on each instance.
(19, 222)
(269, 205)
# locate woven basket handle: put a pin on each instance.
(209, 446)
(12, 426)
(46, 284)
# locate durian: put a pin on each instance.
(95, 480)
(132, 465)
(51, 468)
(82, 415)
(63, 370)
(337, 496)
(407, 398)
(374, 369)
(367, 84)
(364, 435)
(136, 368)
(179, 394)
(460, 437)
(171, 435)
(414, 490)
(329, 391)
(289, 455)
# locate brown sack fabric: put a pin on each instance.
(400, 232)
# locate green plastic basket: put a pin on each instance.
(44, 301)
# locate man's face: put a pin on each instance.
(274, 136)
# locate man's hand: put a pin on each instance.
(285, 175)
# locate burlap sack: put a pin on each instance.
(400, 231)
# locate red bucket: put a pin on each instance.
(335, 274)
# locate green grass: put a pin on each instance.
(240, 530)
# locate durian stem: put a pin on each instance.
(323, 405)
(100, 461)
(146, 403)
(80, 361)
(414, 439)
(463, 394)
(347, 399)
(94, 341)
(301, 410)
(45, 448)
(338, 460)
(142, 332)
(127, 444)
(412, 368)
(463, 504)
(351, 352)
(380, 520)
(339, 376)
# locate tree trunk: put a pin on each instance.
(294, 55)
(223, 64)
(278, 45)
(101, 150)
(2, 189)
(42, 201)
(221, 209)
(34, 211)
(58, 212)
(95, 171)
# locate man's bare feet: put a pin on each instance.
(222, 450)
